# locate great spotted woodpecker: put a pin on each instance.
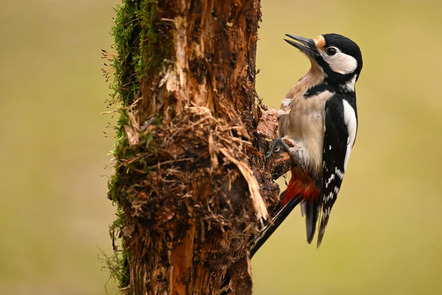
(318, 125)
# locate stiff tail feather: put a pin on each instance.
(303, 185)
(311, 217)
(268, 230)
(301, 188)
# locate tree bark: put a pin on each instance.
(191, 181)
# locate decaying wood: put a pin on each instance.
(268, 124)
(279, 162)
(192, 179)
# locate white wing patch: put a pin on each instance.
(351, 123)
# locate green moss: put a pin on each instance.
(140, 41)
(139, 55)
(118, 263)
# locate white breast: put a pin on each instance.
(305, 126)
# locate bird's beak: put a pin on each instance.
(308, 46)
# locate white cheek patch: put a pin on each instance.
(342, 63)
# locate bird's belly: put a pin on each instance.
(304, 124)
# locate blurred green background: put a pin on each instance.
(385, 231)
(54, 215)
(385, 234)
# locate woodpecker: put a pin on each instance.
(318, 126)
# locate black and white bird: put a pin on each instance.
(318, 125)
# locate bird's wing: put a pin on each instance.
(341, 127)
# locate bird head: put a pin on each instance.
(339, 57)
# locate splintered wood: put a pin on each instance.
(268, 124)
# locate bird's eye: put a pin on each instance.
(330, 51)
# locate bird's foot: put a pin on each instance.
(296, 152)
(276, 144)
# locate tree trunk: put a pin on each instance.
(190, 182)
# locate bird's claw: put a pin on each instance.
(275, 147)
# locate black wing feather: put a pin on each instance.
(334, 150)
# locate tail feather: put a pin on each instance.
(301, 189)
(270, 228)
(303, 185)
(311, 218)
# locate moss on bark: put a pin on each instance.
(190, 181)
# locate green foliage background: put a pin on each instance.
(385, 234)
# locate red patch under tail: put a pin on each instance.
(301, 183)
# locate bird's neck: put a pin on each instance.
(348, 86)
(343, 86)
(315, 76)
